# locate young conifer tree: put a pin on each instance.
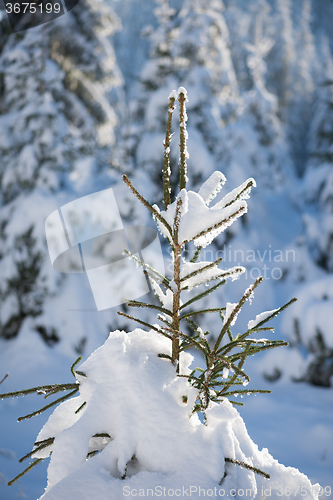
(190, 220)
(137, 412)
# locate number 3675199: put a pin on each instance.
(32, 8)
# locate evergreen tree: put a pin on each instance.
(318, 181)
(239, 131)
(308, 330)
(293, 71)
(283, 54)
(57, 127)
(101, 430)
(255, 141)
(306, 69)
(241, 20)
(190, 46)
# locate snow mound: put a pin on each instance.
(148, 441)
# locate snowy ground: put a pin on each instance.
(294, 422)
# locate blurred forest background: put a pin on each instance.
(83, 100)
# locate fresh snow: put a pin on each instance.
(173, 94)
(228, 312)
(182, 90)
(278, 421)
(212, 186)
(260, 317)
(157, 442)
(205, 275)
(197, 218)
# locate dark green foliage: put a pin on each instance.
(26, 285)
(49, 335)
(325, 132)
(320, 369)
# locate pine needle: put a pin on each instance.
(247, 466)
(42, 389)
(81, 407)
(196, 254)
(76, 362)
(43, 445)
(162, 278)
(202, 294)
(37, 412)
(236, 310)
(147, 204)
(144, 323)
(200, 270)
(202, 311)
(135, 303)
(227, 220)
(26, 470)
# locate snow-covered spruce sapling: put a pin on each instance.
(188, 219)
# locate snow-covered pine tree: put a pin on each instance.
(241, 21)
(283, 54)
(306, 72)
(293, 64)
(257, 128)
(56, 83)
(240, 132)
(104, 444)
(254, 142)
(190, 46)
(318, 179)
(309, 331)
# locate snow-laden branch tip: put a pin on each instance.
(259, 318)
